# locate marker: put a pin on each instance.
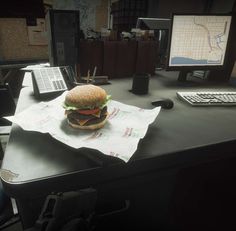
(88, 76)
(94, 73)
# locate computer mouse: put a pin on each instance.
(164, 103)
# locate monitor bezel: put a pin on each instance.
(165, 21)
(198, 67)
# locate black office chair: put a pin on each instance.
(7, 108)
(7, 217)
(79, 211)
(68, 211)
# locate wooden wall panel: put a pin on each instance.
(14, 43)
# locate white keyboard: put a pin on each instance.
(208, 98)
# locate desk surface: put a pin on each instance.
(179, 136)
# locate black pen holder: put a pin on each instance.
(140, 84)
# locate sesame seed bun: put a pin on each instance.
(86, 96)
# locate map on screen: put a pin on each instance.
(199, 40)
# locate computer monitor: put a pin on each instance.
(161, 27)
(198, 42)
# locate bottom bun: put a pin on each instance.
(89, 127)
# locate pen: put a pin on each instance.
(88, 76)
(94, 73)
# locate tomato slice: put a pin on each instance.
(89, 111)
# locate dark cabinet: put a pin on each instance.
(119, 58)
(90, 55)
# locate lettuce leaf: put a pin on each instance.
(105, 102)
(67, 107)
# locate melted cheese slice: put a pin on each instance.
(97, 114)
(82, 122)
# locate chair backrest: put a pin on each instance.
(7, 104)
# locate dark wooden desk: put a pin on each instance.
(36, 165)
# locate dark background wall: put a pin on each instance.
(164, 8)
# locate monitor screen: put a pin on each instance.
(198, 41)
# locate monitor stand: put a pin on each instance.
(201, 75)
(183, 75)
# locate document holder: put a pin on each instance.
(52, 81)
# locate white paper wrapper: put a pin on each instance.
(119, 137)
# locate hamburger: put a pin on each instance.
(85, 107)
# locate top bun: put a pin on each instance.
(86, 96)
